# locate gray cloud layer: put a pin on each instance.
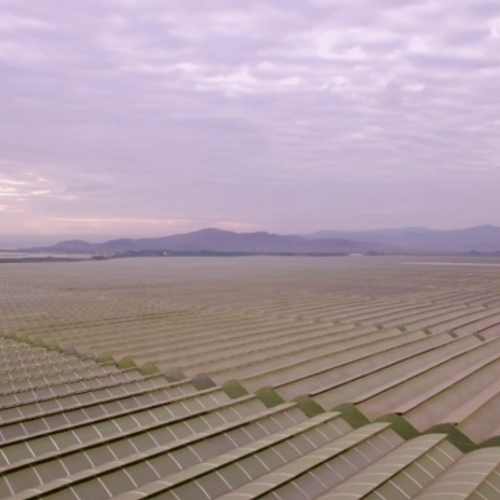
(152, 117)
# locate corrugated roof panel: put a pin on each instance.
(425, 402)
(388, 367)
(465, 477)
(179, 455)
(391, 476)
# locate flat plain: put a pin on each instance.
(388, 364)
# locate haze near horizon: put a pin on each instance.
(147, 118)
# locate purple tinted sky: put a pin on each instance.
(150, 117)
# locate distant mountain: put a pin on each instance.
(73, 246)
(15, 241)
(216, 240)
(387, 241)
(484, 238)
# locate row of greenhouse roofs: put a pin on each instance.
(374, 413)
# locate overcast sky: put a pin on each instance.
(151, 117)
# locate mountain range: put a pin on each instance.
(485, 238)
(216, 240)
(384, 241)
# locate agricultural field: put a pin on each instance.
(251, 377)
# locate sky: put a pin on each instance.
(148, 117)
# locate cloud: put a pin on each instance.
(283, 115)
(24, 185)
(90, 187)
(10, 22)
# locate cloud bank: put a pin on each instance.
(150, 117)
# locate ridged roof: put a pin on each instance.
(281, 379)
